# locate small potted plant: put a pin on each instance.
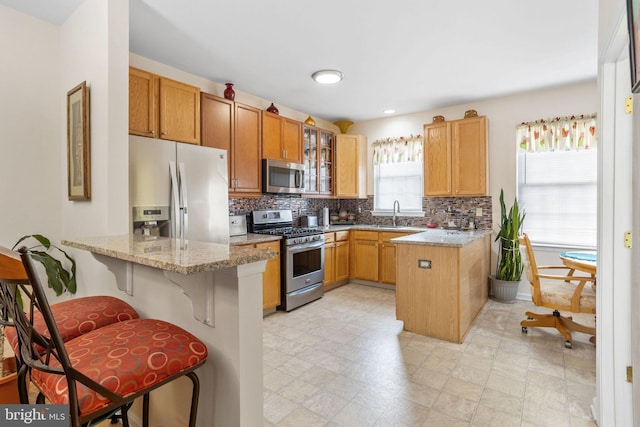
(504, 285)
(61, 277)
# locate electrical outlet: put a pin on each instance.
(478, 211)
(424, 263)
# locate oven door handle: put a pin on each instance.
(301, 247)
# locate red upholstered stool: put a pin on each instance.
(129, 358)
(103, 371)
(79, 316)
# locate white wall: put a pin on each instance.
(30, 127)
(94, 45)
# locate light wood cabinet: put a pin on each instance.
(364, 263)
(443, 299)
(281, 138)
(318, 159)
(247, 154)
(455, 161)
(336, 258)
(388, 255)
(271, 276)
(163, 108)
(342, 256)
(143, 103)
(350, 166)
(374, 255)
(219, 123)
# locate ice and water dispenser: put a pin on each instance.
(151, 220)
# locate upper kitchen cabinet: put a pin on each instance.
(455, 158)
(163, 108)
(350, 166)
(247, 154)
(143, 103)
(281, 138)
(317, 156)
(235, 128)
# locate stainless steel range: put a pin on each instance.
(302, 259)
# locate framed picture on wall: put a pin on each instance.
(634, 43)
(78, 143)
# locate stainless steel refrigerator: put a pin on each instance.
(178, 190)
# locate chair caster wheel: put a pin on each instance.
(524, 330)
(567, 344)
(529, 318)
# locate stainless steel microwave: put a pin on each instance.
(282, 177)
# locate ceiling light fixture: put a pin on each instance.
(327, 77)
(389, 111)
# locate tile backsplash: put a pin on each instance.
(435, 208)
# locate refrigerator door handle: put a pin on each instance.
(183, 200)
(176, 221)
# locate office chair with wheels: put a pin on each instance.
(564, 292)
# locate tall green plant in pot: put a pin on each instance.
(504, 285)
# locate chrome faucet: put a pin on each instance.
(395, 202)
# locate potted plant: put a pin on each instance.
(504, 285)
(61, 277)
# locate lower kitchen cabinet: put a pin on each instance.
(388, 254)
(441, 299)
(336, 258)
(364, 262)
(271, 276)
(342, 256)
(374, 255)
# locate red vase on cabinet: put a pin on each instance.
(229, 93)
(273, 109)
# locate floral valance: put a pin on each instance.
(560, 133)
(398, 150)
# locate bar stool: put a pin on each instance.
(73, 317)
(101, 372)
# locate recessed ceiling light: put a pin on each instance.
(389, 111)
(327, 77)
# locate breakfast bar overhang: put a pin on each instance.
(215, 292)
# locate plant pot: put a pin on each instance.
(504, 290)
(9, 382)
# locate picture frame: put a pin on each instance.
(78, 143)
(633, 21)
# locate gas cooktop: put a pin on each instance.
(279, 222)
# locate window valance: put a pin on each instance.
(558, 134)
(398, 150)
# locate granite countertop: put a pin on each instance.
(252, 239)
(440, 237)
(162, 252)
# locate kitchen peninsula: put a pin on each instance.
(223, 284)
(442, 281)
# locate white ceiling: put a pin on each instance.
(407, 55)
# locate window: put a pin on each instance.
(398, 175)
(558, 181)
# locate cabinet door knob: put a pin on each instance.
(164, 133)
(152, 132)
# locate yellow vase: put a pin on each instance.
(343, 125)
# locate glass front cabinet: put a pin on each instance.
(318, 145)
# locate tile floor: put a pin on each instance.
(344, 360)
